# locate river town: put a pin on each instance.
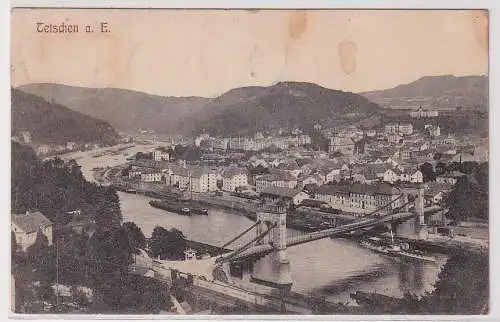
(295, 176)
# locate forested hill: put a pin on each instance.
(287, 105)
(98, 257)
(125, 110)
(50, 122)
(242, 110)
(55, 187)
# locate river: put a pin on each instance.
(330, 268)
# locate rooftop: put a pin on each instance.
(280, 191)
(30, 221)
(233, 171)
(358, 188)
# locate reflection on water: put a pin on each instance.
(331, 268)
(411, 276)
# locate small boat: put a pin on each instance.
(376, 248)
(395, 251)
(417, 255)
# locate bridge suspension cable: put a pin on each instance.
(247, 245)
(365, 222)
(240, 235)
(383, 207)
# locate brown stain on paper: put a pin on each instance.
(297, 24)
(347, 51)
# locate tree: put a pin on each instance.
(125, 171)
(428, 172)
(467, 200)
(41, 258)
(319, 141)
(143, 156)
(135, 236)
(468, 167)
(462, 286)
(110, 256)
(167, 243)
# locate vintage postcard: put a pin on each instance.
(222, 162)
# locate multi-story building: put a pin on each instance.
(334, 171)
(421, 113)
(233, 178)
(220, 144)
(360, 198)
(394, 175)
(202, 180)
(43, 149)
(192, 178)
(280, 143)
(433, 130)
(237, 143)
(276, 179)
(151, 175)
(403, 129)
(26, 227)
(299, 140)
(161, 154)
(371, 133)
(344, 145)
(282, 196)
(201, 138)
(416, 176)
(450, 177)
(394, 138)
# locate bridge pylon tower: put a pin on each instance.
(273, 269)
(417, 226)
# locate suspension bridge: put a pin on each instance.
(266, 250)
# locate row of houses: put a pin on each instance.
(354, 198)
(253, 144)
(187, 177)
(360, 198)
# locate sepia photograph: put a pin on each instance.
(218, 162)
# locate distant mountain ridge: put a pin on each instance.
(50, 122)
(125, 110)
(239, 111)
(465, 92)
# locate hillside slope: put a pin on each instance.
(126, 110)
(54, 123)
(466, 92)
(287, 105)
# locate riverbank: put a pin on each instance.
(303, 219)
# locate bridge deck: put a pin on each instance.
(263, 249)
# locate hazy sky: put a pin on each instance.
(206, 52)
